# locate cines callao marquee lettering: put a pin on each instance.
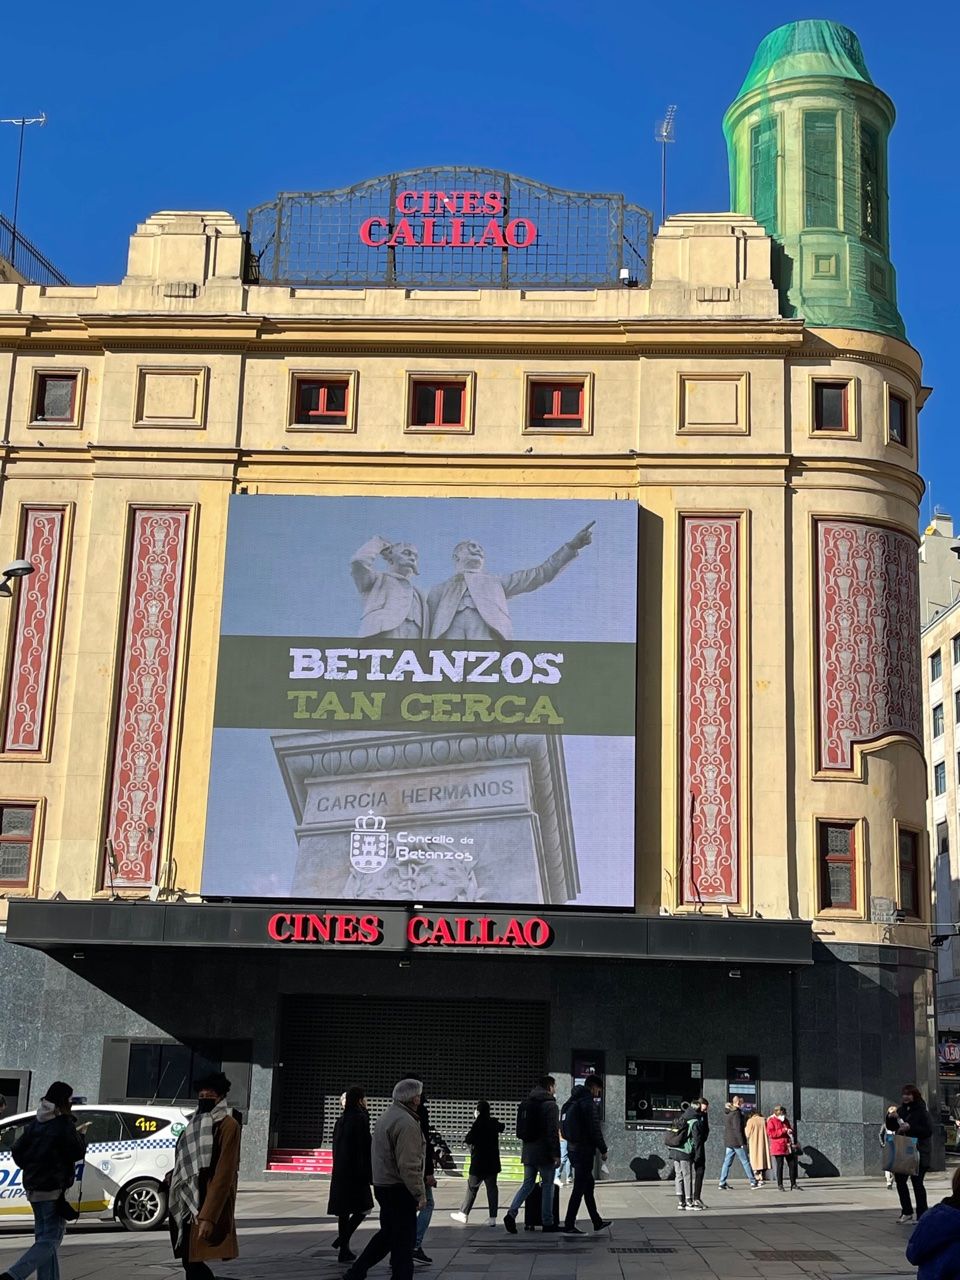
(437, 220)
(349, 929)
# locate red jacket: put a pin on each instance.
(780, 1135)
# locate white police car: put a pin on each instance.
(129, 1152)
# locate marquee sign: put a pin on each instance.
(450, 226)
(356, 929)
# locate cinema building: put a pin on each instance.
(472, 631)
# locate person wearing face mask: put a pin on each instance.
(483, 1139)
(350, 1196)
(47, 1151)
(203, 1185)
(783, 1146)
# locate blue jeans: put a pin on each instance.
(564, 1170)
(546, 1173)
(423, 1218)
(728, 1161)
(41, 1257)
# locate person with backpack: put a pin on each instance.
(685, 1140)
(483, 1139)
(581, 1125)
(48, 1152)
(734, 1135)
(538, 1128)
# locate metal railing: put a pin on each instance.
(25, 258)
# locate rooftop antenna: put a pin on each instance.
(22, 121)
(665, 133)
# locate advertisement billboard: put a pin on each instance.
(425, 700)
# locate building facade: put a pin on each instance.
(729, 895)
(940, 665)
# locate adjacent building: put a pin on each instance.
(472, 635)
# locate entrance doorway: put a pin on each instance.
(463, 1050)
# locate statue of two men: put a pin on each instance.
(470, 605)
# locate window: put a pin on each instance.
(956, 707)
(943, 838)
(438, 405)
(55, 397)
(141, 1070)
(16, 843)
(830, 406)
(938, 720)
(165, 1070)
(103, 1126)
(820, 168)
(870, 204)
(763, 173)
(837, 866)
(899, 409)
(939, 778)
(11, 1132)
(908, 849)
(321, 402)
(936, 665)
(956, 649)
(555, 406)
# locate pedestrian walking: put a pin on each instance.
(934, 1244)
(483, 1139)
(47, 1151)
(203, 1185)
(736, 1143)
(914, 1123)
(684, 1140)
(888, 1130)
(700, 1153)
(397, 1153)
(758, 1145)
(429, 1181)
(585, 1141)
(538, 1128)
(350, 1197)
(783, 1146)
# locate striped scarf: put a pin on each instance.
(194, 1155)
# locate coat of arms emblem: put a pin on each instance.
(369, 844)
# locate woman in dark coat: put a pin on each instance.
(350, 1197)
(483, 1139)
(915, 1122)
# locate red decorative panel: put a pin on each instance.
(710, 720)
(32, 655)
(146, 697)
(869, 637)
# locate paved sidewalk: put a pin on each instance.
(832, 1228)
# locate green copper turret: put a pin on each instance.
(807, 143)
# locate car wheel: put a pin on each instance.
(142, 1205)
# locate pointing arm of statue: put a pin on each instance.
(515, 584)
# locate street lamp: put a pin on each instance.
(19, 569)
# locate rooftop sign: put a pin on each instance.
(448, 227)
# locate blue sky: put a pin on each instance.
(219, 107)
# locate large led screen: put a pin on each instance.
(426, 700)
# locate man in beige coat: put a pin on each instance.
(397, 1156)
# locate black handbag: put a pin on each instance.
(65, 1209)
